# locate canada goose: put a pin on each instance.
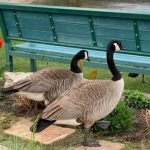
(88, 102)
(134, 75)
(48, 84)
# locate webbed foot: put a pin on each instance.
(91, 143)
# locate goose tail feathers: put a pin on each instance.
(8, 90)
(40, 125)
(133, 75)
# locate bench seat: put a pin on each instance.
(64, 54)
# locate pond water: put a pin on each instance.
(143, 5)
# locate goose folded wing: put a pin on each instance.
(29, 85)
(43, 80)
(72, 103)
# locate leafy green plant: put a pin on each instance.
(122, 118)
(136, 99)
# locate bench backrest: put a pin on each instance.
(76, 27)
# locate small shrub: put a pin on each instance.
(122, 118)
(136, 99)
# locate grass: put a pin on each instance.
(68, 143)
(21, 64)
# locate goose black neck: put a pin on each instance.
(74, 65)
(110, 61)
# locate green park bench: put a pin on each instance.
(56, 33)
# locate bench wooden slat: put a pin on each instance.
(144, 25)
(35, 25)
(145, 46)
(10, 22)
(8, 13)
(34, 34)
(73, 28)
(129, 45)
(72, 19)
(75, 39)
(145, 35)
(32, 15)
(113, 22)
(114, 32)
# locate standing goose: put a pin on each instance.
(89, 101)
(48, 84)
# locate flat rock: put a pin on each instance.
(105, 145)
(49, 135)
(3, 147)
(12, 77)
(147, 94)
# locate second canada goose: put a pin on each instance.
(48, 84)
(134, 75)
(89, 101)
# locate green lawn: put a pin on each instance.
(70, 142)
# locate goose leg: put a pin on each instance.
(87, 142)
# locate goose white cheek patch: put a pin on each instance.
(117, 48)
(86, 55)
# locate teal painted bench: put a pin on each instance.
(57, 33)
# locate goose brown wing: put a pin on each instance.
(44, 80)
(72, 103)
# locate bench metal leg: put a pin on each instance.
(9, 63)
(143, 80)
(33, 66)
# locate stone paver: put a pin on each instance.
(105, 145)
(47, 136)
(147, 94)
(3, 147)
